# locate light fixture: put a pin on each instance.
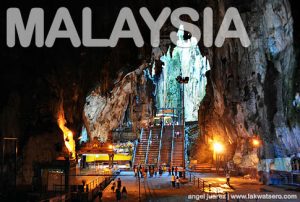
(255, 142)
(218, 147)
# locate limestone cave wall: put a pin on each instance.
(250, 91)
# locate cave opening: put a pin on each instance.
(101, 99)
(185, 62)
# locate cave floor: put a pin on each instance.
(160, 189)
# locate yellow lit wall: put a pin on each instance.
(104, 157)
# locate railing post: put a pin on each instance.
(190, 177)
(198, 182)
(209, 187)
(226, 196)
(194, 180)
(203, 185)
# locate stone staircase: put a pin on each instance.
(166, 156)
(178, 145)
(166, 147)
(141, 150)
(154, 145)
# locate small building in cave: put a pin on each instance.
(90, 151)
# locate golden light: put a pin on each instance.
(218, 147)
(110, 146)
(68, 134)
(255, 142)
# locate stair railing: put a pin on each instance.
(136, 143)
(185, 147)
(160, 145)
(148, 146)
(172, 149)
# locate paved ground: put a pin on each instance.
(159, 189)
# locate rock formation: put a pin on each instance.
(102, 114)
(250, 90)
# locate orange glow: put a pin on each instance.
(110, 146)
(218, 147)
(255, 142)
(68, 134)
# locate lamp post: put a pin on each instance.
(183, 81)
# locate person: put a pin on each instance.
(100, 195)
(151, 171)
(173, 181)
(164, 168)
(130, 164)
(177, 182)
(113, 186)
(169, 170)
(172, 170)
(124, 193)
(142, 171)
(160, 171)
(119, 183)
(118, 194)
(176, 170)
(155, 171)
(145, 172)
(228, 179)
(135, 171)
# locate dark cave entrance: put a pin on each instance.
(270, 93)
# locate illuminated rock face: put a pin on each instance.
(102, 114)
(249, 91)
(187, 62)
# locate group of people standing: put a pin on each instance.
(173, 170)
(116, 187)
(152, 171)
(174, 178)
(144, 171)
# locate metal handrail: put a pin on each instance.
(135, 147)
(149, 139)
(160, 144)
(134, 151)
(185, 145)
(199, 181)
(172, 149)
